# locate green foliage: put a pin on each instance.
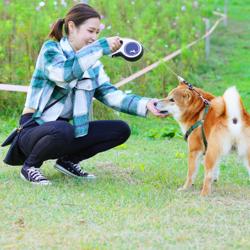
(161, 26)
(165, 132)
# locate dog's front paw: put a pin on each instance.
(205, 192)
(183, 189)
(187, 186)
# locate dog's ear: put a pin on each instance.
(218, 105)
(187, 94)
(182, 84)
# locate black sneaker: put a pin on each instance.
(72, 169)
(34, 176)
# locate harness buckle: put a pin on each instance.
(206, 102)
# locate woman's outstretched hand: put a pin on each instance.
(151, 107)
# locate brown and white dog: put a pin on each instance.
(226, 125)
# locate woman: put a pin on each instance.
(68, 75)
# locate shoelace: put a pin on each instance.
(78, 168)
(35, 174)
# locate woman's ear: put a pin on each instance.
(71, 26)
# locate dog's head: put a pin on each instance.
(182, 101)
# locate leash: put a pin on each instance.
(190, 86)
(205, 101)
(171, 55)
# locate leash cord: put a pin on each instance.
(180, 79)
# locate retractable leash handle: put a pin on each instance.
(131, 50)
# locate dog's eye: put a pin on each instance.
(171, 99)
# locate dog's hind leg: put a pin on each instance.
(212, 158)
(219, 144)
(194, 158)
(216, 173)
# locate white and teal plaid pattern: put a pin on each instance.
(60, 70)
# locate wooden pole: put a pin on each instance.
(225, 11)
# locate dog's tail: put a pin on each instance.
(234, 110)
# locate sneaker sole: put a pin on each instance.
(66, 172)
(35, 183)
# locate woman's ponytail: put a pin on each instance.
(57, 30)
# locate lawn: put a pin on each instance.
(134, 203)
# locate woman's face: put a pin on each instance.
(85, 33)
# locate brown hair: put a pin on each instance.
(77, 14)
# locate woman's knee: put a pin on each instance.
(124, 130)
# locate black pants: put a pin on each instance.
(55, 139)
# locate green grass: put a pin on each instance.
(134, 203)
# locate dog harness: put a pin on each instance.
(196, 125)
(200, 122)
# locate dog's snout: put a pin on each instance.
(160, 105)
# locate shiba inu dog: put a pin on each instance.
(212, 126)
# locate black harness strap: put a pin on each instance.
(196, 125)
(200, 122)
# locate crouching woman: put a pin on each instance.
(68, 74)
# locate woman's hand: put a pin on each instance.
(151, 107)
(114, 43)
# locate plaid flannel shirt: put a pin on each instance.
(59, 70)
